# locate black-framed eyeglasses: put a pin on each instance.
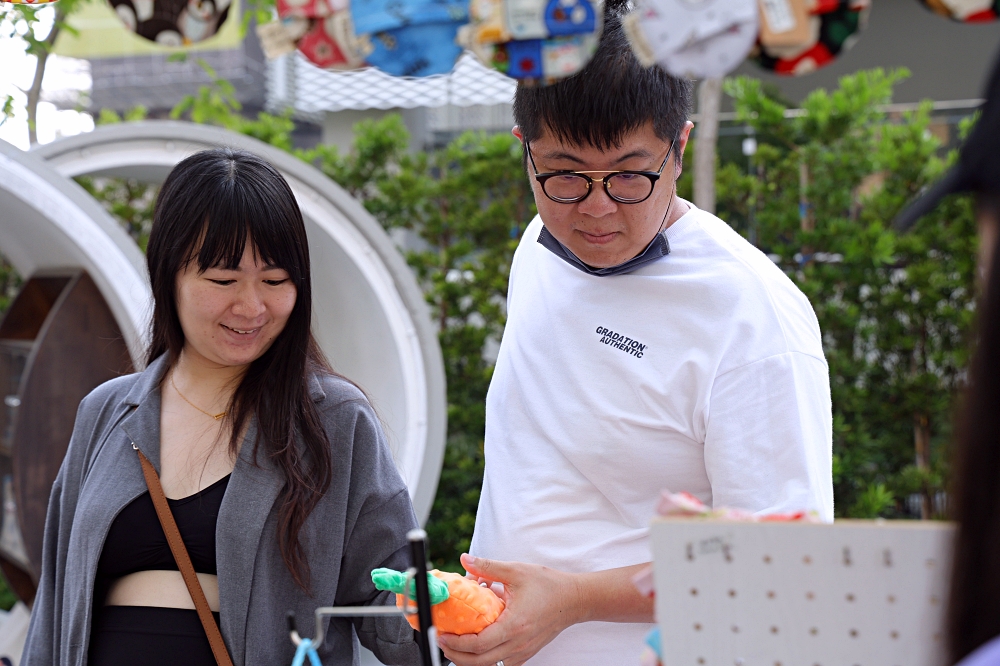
(628, 187)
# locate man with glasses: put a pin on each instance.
(648, 347)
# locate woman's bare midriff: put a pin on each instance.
(162, 589)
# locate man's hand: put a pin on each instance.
(540, 603)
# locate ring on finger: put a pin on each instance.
(500, 663)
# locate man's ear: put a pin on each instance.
(516, 131)
(680, 146)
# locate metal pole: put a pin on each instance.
(426, 635)
(709, 101)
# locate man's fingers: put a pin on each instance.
(484, 641)
(463, 659)
(503, 651)
(491, 570)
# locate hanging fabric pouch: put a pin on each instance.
(697, 39)
(834, 27)
(536, 41)
(173, 22)
(411, 37)
(965, 11)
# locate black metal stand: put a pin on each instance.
(427, 636)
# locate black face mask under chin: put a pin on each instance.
(658, 248)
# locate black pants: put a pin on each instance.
(134, 635)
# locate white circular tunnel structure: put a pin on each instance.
(370, 316)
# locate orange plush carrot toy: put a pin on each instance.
(458, 604)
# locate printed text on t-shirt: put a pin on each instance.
(619, 341)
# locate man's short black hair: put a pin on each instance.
(611, 97)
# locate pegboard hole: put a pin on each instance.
(694, 591)
(701, 660)
(931, 563)
(810, 596)
(732, 593)
(813, 631)
(770, 594)
(697, 626)
(850, 597)
(892, 599)
(934, 601)
(774, 630)
(854, 633)
(767, 559)
(894, 635)
(735, 629)
(807, 560)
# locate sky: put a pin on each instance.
(64, 79)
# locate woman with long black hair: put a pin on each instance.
(276, 470)
(974, 608)
(973, 619)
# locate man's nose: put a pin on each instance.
(597, 203)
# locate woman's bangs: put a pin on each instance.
(240, 214)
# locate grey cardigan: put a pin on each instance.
(360, 524)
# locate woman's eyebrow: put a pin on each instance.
(239, 269)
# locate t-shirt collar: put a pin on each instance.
(658, 248)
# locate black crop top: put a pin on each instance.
(136, 542)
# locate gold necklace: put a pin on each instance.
(214, 416)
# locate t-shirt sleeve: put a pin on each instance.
(769, 437)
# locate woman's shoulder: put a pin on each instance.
(107, 396)
(348, 417)
(333, 392)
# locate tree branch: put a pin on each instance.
(35, 91)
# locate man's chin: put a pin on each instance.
(596, 255)
(597, 261)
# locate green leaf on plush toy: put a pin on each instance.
(389, 580)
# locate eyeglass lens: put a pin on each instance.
(621, 186)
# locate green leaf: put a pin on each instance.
(389, 580)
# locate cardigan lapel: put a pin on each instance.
(250, 496)
(143, 424)
(252, 491)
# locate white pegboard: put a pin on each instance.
(857, 593)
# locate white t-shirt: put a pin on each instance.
(702, 371)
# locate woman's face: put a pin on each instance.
(231, 317)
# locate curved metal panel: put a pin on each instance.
(48, 221)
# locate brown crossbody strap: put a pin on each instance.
(183, 560)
